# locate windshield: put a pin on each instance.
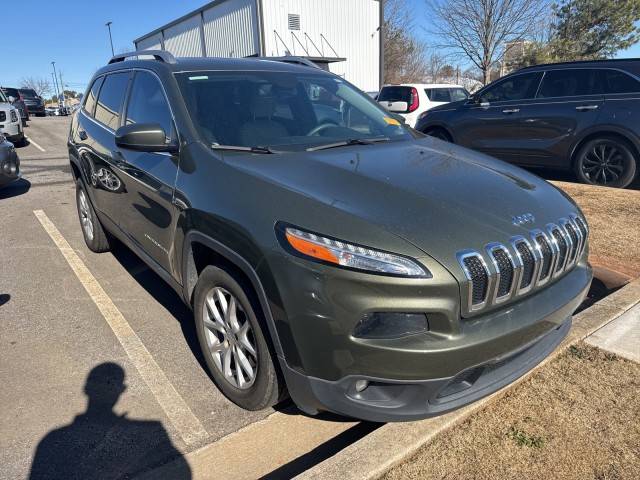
(282, 109)
(3, 98)
(28, 93)
(12, 92)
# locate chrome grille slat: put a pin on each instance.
(522, 265)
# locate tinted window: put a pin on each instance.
(28, 93)
(90, 102)
(148, 104)
(11, 92)
(438, 94)
(395, 94)
(619, 82)
(110, 99)
(458, 94)
(569, 83)
(517, 87)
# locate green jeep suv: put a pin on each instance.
(327, 251)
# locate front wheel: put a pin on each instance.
(439, 133)
(606, 161)
(94, 235)
(233, 343)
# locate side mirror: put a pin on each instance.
(11, 98)
(144, 137)
(396, 107)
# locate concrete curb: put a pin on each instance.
(381, 450)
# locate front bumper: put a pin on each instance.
(457, 362)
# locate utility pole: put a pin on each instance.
(64, 105)
(108, 25)
(55, 81)
(381, 40)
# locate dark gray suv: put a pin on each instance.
(583, 116)
(326, 249)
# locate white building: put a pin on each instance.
(342, 36)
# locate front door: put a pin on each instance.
(150, 216)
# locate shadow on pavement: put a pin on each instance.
(4, 298)
(101, 444)
(15, 189)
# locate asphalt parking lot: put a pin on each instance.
(64, 362)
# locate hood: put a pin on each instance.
(440, 197)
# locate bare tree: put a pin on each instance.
(40, 85)
(404, 53)
(480, 29)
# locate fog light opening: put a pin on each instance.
(361, 385)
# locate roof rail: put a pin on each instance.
(291, 59)
(578, 62)
(160, 55)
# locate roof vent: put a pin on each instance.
(294, 21)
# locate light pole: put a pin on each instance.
(381, 40)
(55, 81)
(108, 25)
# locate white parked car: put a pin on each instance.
(10, 122)
(412, 99)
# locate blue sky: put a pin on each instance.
(80, 44)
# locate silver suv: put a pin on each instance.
(10, 124)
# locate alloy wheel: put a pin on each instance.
(230, 338)
(85, 215)
(604, 163)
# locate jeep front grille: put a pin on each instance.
(506, 271)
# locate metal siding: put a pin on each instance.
(231, 29)
(150, 43)
(350, 26)
(183, 39)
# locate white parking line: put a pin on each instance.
(35, 144)
(179, 413)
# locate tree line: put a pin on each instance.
(491, 37)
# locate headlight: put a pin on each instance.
(14, 115)
(344, 254)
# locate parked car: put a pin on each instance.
(9, 162)
(10, 122)
(13, 94)
(367, 269)
(33, 102)
(51, 112)
(412, 99)
(580, 116)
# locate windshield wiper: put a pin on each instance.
(351, 141)
(239, 148)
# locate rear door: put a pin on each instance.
(97, 124)
(621, 100)
(149, 217)
(568, 102)
(490, 122)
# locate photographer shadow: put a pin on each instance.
(100, 444)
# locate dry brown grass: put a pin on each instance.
(576, 418)
(614, 218)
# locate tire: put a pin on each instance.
(229, 339)
(606, 161)
(439, 133)
(92, 230)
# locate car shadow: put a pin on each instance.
(568, 176)
(15, 189)
(4, 298)
(100, 443)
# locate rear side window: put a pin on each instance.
(570, 83)
(147, 103)
(395, 94)
(90, 102)
(458, 94)
(619, 82)
(111, 98)
(438, 94)
(518, 87)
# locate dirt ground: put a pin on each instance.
(614, 218)
(576, 418)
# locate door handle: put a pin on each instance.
(511, 110)
(584, 108)
(82, 134)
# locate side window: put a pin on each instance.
(90, 101)
(440, 95)
(111, 98)
(458, 94)
(147, 103)
(518, 87)
(570, 83)
(619, 82)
